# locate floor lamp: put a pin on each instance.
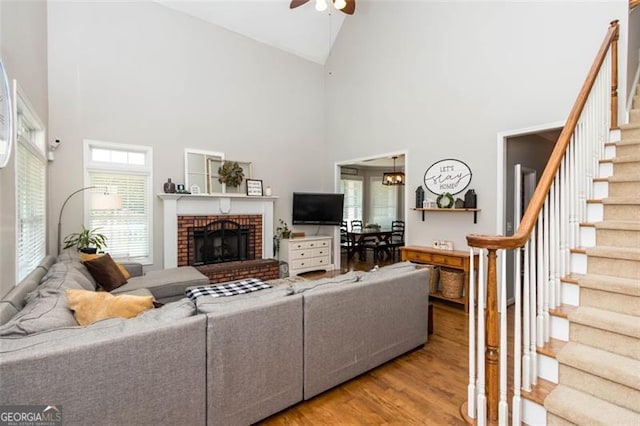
(104, 201)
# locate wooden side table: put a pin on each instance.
(447, 258)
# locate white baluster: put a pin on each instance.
(540, 285)
(503, 406)
(526, 317)
(546, 249)
(471, 388)
(533, 300)
(481, 408)
(517, 343)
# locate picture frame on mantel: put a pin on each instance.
(254, 187)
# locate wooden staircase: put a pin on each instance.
(592, 362)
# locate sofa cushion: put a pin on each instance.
(7, 311)
(91, 306)
(166, 283)
(105, 271)
(348, 278)
(47, 311)
(18, 294)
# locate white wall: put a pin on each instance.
(140, 73)
(23, 47)
(441, 79)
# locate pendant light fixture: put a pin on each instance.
(393, 178)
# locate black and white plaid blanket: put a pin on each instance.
(229, 289)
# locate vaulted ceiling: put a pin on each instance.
(303, 31)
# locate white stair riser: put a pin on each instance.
(548, 368)
(615, 135)
(570, 294)
(559, 328)
(579, 263)
(600, 190)
(587, 236)
(605, 170)
(595, 213)
(609, 152)
(533, 414)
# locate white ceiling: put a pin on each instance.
(303, 31)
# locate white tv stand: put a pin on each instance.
(307, 254)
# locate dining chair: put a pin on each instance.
(397, 237)
(345, 241)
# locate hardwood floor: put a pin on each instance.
(423, 387)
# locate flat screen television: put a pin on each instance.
(317, 208)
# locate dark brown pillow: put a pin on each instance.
(105, 271)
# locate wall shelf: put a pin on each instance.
(425, 209)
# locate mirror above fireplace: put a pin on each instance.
(201, 170)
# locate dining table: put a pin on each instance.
(378, 236)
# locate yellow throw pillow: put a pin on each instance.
(88, 256)
(90, 306)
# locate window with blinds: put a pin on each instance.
(352, 190)
(31, 187)
(31, 208)
(383, 202)
(125, 171)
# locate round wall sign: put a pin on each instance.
(449, 175)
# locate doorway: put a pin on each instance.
(525, 155)
(366, 198)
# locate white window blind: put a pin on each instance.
(384, 202)
(31, 208)
(352, 190)
(125, 170)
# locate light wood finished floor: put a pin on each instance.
(424, 387)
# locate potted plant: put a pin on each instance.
(230, 173)
(282, 231)
(86, 241)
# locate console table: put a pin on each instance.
(447, 258)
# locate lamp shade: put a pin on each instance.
(105, 201)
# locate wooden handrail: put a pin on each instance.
(633, 3)
(542, 189)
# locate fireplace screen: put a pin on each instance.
(221, 241)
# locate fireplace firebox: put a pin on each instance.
(221, 241)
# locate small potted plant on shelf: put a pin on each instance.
(282, 231)
(230, 173)
(86, 241)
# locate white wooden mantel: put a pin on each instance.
(175, 205)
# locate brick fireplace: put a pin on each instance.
(224, 237)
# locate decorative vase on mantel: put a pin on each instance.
(169, 187)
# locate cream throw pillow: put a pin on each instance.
(92, 306)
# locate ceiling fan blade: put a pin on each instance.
(296, 3)
(350, 7)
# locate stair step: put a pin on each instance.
(626, 186)
(605, 364)
(621, 233)
(583, 409)
(572, 278)
(628, 146)
(634, 115)
(621, 208)
(562, 311)
(551, 348)
(539, 391)
(628, 165)
(599, 387)
(610, 283)
(614, 322)
(604, 259)
(630, 131)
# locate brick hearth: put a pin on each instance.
(264, 269)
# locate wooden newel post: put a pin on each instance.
(614, 76)
(492, 336)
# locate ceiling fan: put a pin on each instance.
(347, 6)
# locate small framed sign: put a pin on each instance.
(254, 187)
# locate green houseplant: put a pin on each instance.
(282, 231)
(87, 240)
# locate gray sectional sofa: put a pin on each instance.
(219, 361)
